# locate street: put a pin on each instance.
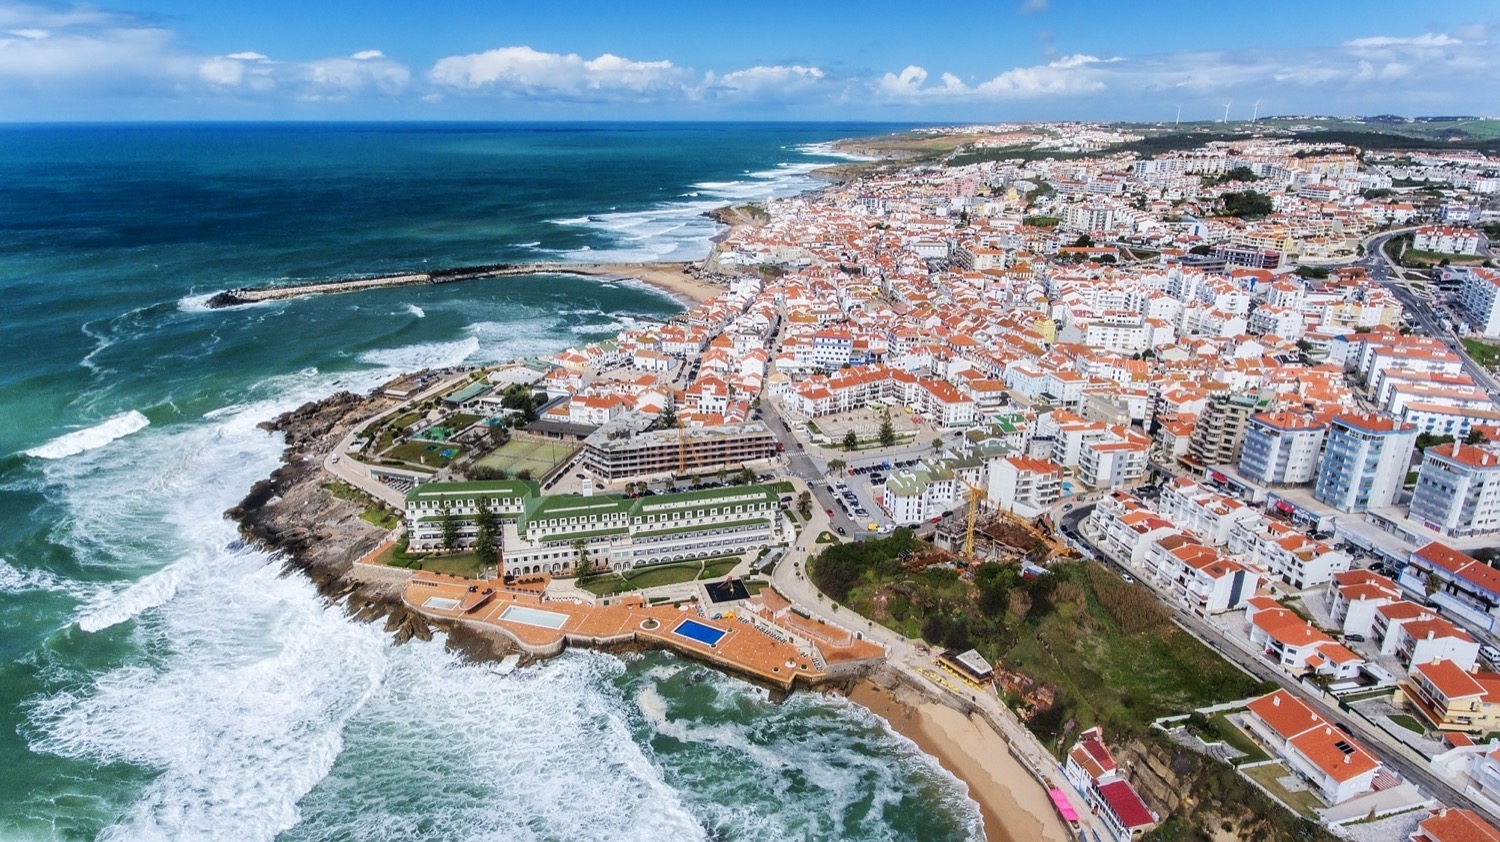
(1396, 755)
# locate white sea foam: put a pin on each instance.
(827, 150)
(416, 311)
(504, 760)
(16, 580)
(90, 438)
(424, 355)
(678, 230)
(196, 303)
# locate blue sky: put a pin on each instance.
(870, 60)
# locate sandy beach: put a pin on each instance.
(1014, 806)
(665, 276)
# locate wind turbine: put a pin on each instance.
(1226, 111)
(1255, 112)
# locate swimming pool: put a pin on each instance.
(534, 617)
(694, 630)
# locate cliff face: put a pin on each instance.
(1199, 797)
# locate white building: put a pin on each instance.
(1336, 765)
(1458, 490)
(1281, 448)
(1477, 296)
(1364, 463)
(1023, 485)
(1446, 239)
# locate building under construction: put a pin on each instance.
(617, 453)
(992, 535)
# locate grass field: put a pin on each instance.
(713, 568)
(1220, 726)
(647, 577)
(426, 453)
(537, 457)
(1303, 803)
(1483, 353)
(456, 564)
(1408, 722)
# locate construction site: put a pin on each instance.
(980, 532)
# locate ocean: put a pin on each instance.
(162, 681)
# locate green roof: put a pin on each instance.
(466, 392)
(487, 488)
(708, 527)
(710, 496)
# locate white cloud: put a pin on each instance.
(1067, 76)
(525, 71)
(776, 82)
(1032, 7)
(362, 55)
(1425, 41)
(367, 72)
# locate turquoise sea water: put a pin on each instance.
(161, 682)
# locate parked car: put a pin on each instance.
(1355, 638)
(843, 531)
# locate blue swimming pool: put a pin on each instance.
(694, 630)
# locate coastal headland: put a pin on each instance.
(293, 512)
(674, 278)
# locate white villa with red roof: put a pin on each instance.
(1336, 765)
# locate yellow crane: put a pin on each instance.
(976, 495)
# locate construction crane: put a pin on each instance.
(976, 494)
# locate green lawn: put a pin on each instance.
(1220, 726)
(783, 487)
(424, 453)
(715, 567)
(460, 421)
(664, 574)
(406, 420)
(1408, 722)
(826, 537)
(455, 564)
(382, 518)
(1483, 353)
(1303, 803)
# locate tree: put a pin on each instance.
(1247, 204)
(1084, 241)
(804, 504)
(584, 566)
(1476, 437)
(1200, 250)
(887, 431)
(851, 441)
(484, 532)
(668, 417)
(937, 443)
(837, 466)
(745, 477)
(449, 526)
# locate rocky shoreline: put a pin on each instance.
(292, 514)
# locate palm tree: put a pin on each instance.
(837, 466)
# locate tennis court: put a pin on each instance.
(535, 456)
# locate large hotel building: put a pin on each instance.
(540, 532)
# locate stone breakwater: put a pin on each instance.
(255, 295)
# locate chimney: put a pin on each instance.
(1276, 701)
(1348, 758)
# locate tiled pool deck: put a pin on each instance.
(743, 648)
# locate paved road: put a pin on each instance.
(1396, 754)
(356, 473)
(1385, 271)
